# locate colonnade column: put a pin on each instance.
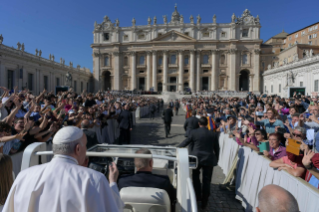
(232, 71)
(116, 70)
(96, 72)
(180, 72)
(148, 70)
(192, 70)
(256, 86)
(165, 70)
(133, 70)
(198, 63)
(251, 78)
(154, 66)
(214, 75)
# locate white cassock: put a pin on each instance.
(62, 186)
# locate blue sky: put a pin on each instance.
(64, 28)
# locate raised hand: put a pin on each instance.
(306, 160)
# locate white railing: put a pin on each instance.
(191, 193)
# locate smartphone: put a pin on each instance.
(239, 123)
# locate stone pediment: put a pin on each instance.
(174, 36)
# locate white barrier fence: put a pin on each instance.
(253, 173)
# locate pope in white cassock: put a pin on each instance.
(62, 185)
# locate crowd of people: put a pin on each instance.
(25, 118)
(269, 121)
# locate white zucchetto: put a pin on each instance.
(67, 135)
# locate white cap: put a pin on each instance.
(67, 135)
(4, 99)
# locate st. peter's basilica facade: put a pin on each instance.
(177, 55)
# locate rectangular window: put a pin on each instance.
(126, 37)
(296, 35)
(205, 71)
(160, 61)
(272, 88)
(74, 86)
(159, 71)
(279, 88)
(245, 33)
(186, 60)
(290, 38)
(205, 34)
(142, 60)
(285, 41)
(316, 85)
(106, 36)
(186, 71)
(223, 34)
(173, 59)
(309, 37)
(301, 84)
(10, 79)
(186, 33)
(106, 61)
(205, 59)
(310, 42)
(46, 81)
(30, 82)
(57, 81)
(81, 87)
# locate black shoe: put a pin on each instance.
(204, 205)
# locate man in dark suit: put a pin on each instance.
(167, 116)
(176, 107)
(125, 121)
(206, 148)
(171, 104)
(152, 109)
(144, 177)
(90, 135)
(191, 124)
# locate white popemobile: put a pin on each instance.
(170, 161)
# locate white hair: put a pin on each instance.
(67, 148)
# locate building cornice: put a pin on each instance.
(298, 64)
(28, 57)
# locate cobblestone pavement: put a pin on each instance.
(151, 132)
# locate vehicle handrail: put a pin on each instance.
(192, 195)
(122, 155)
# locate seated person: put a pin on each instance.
(144, 177)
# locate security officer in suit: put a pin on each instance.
(191, 124)
(206, 148)
(144, 177)
(167, 116)
(177, 105)
(125, 121)
(90, 135)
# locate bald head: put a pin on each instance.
(273, 198)
(85, 124)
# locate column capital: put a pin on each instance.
(257, 51)
(181, 51)
(116, 53)
(232, 51)
(96, 54)
(148, 52)
(192, 51)
(154, 51)
(165, 52)
(215, 51)
(133, 53)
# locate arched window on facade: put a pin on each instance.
(245, 59)
(142, 60)
(125, 61)
(205, 59)
(173, 59)
(106, 61)
(222, 59)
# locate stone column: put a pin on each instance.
(148, 68)
(192, 70)
(198, 77)
(214, 75)
(96, 72)
(154, 66)
(164, 70)
(232, 69)
(133, 70)
(251, 78)
(256, 84)
(180, 68)
(116, 68)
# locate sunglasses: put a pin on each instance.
(296, 135)
(257, 133)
